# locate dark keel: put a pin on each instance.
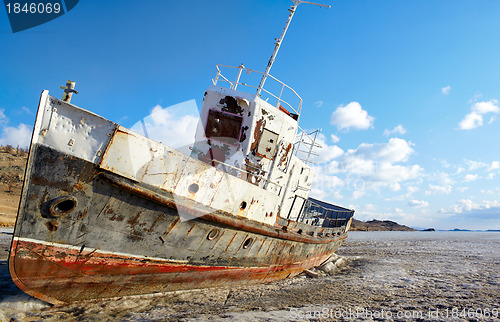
(101, 240)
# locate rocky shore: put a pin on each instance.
(378, 225)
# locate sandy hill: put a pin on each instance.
(12, 165)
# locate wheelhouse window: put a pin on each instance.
(223, 127)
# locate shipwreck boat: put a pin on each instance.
(108, 212)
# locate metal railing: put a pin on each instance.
(279, 100)
(309, 143)
(317, 215)
(246, 173)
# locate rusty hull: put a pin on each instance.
(84, 233)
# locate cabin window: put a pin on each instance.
(223, 127)
(267, 144)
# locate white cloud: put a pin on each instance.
(446, 90)
(494, 165)
(411, 190)
(175, 126)
(318, 104)
(490, 106)
(474, 119)
(396, 150)
(491, 191)
(443, 178)
(446, 189)
(467, 206)
(328, 152)
(326, 187)
(399, 129)
(358, 194)
(464, 205)
(418, 203)
(471, 121)
(395, 186)
(16, 136)
(470, 177)
(369, 167)
(3, 118)
(377, 164)
(351, 116)
(334, 138)
(26, 110)
(474, 165)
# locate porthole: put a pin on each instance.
(62, 206)
(214, 233)
(243, 205)
(193, 188)
(248, 243)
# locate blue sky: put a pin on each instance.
(406, 92)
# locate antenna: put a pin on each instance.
(278, 41)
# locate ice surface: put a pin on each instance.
(415, 274)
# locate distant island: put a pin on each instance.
(378, 225)
(388, 225)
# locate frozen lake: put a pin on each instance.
(387, 275)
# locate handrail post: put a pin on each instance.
(241, 67)
(279, 97)
(217, 76)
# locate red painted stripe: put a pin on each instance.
(59, 274)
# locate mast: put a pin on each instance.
(277, 44)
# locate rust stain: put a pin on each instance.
(232, 239)
(262, 244)
(257, 132)
(82, 214)
(190, 229)
(133, 221)
(52, 225)
(284, 157)
(154, 223)
(64, 186)
(117, 217)
(172, 226)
